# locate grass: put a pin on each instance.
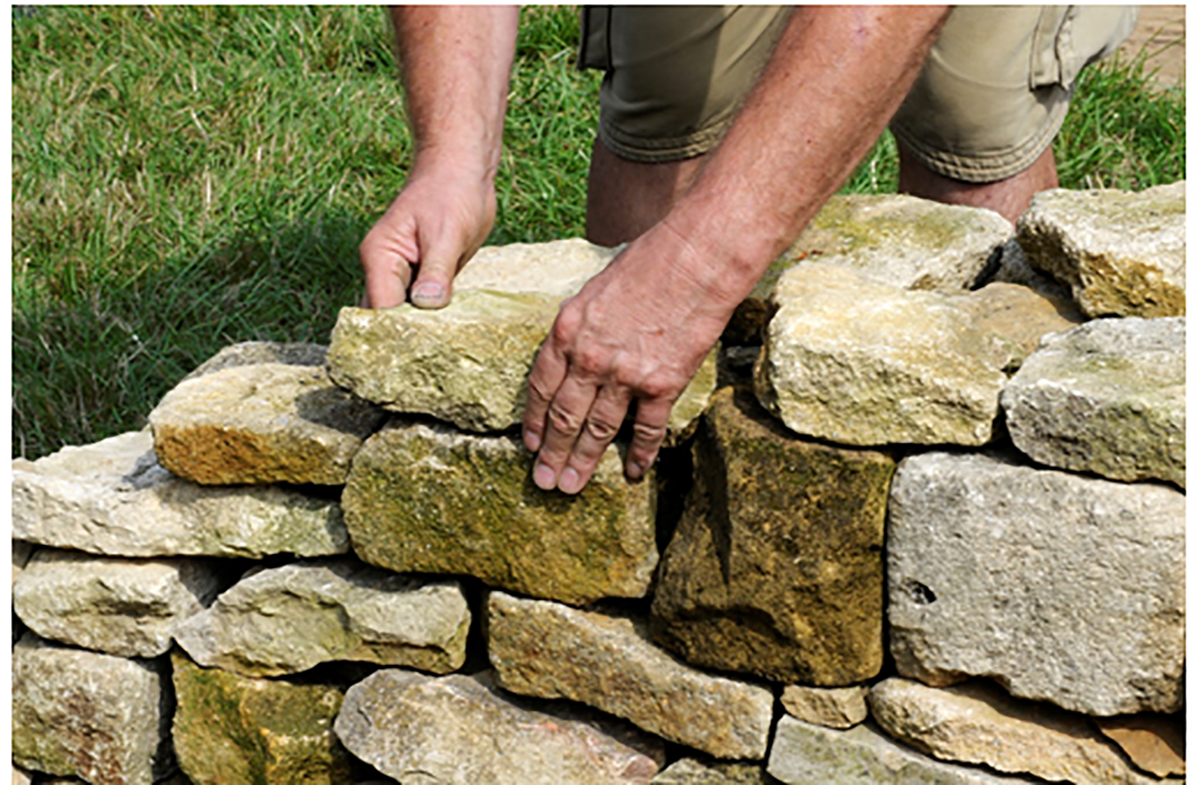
(188, 177)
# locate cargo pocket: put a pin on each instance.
(1069, 38)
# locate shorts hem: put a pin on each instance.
(659, 150)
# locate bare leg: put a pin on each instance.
(626, 198)
(1009, 197)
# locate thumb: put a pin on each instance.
(439, 265)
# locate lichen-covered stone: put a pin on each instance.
(102, 718)
(460, 730)
(114, 498)
(232, 729)
(1061, 587)
(1109, 397)
(261, 423)
(1121, 253)
(690, 771)
(776, 567)
(125, 607)
(838, 707)
(290, 618)
(549, 650)
(426, 498)
(260, 352)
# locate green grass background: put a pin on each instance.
(189, 177)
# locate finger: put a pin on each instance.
(549, 370)
(649, 430)
(388, 273)
(564, 419)
(599, 429)
(440, 258)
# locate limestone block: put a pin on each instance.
(803, 754)
(460, 730)
(259, 424)
(558, 269)
(259, 353)
(859, 362)
(1061, 587)
(21, 777)
(776, 566)
(125, 607)
(22, 552)
(979, 723)
(549, 650)
(690, 771)
(840, 707)
(290, 618)
(1121, 253)
(1154, 742)
(1109, 397)
(104, 719)
(114, 498)
(427, 498)
(232, 729)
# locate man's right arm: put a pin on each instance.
(455, 63)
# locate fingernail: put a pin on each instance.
(533, 442)
(543, 477)
(428, 291)
(568, 481)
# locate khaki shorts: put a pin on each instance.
(990, 98)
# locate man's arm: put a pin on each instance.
(639, 330)
(455, 63)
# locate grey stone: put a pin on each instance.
(460, 730)
(1061, 587)
(549, 650)
(261, 352)
(1109, 397)
(290, 618)
(113, 498)
(263, 423)
(837, 707)
(1121, 253)
(104, 719)
(690, 771)
(125, 607)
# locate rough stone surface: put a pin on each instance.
(125, 607)
(1109, 397)
(426, 498)
(803, 754)
(979, 723)
(1061, 587)
(558, 269)
(841, 708)
(690, 771)
(776, 566)
(21, 777)
(113, 498)
(22, 552)
(860, 362)
(1121, 253)
(104, 719)
(259, 424)
(232, 729)
(290, 618)
(1154, 742)
(549, 650)
(259, 353)
(460, 730)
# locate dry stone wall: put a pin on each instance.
(921, 520)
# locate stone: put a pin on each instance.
(1063, 588)
(776, 568)
(21, 777)
(559, 268)
(978, 722)
(291, 618)
(460, 730)
(258, 424)
(548, 650)
(260, 353)
(22, 552)
(840, 707)
(232, 729)
(1108, 397)
(1154, 742)
(690, 771)
(1121, 253)
(427, 498)
(102, 718)
(803, 754)
(129, 608)
(858, 362)
(113, 498)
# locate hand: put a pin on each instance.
(435, 225)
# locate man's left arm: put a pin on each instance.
(638, 331)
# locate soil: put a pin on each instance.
(1160, 33)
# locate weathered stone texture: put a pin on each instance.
(1063, 588)
(125, 607)
(979, 723)
(776, 567)
(426, 498)
(259, 353)
(557, 269)
(841, 707)
(1109, 397)
(690, 771)
(1153, 742)
(113, 498)
(104, 719)
(288, 619)
(459, 730)
(231, 729)
(259, 424)
(548, 650)
(1122, 253)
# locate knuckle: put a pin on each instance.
(601, 430)
(563, 420)
(648, 433)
